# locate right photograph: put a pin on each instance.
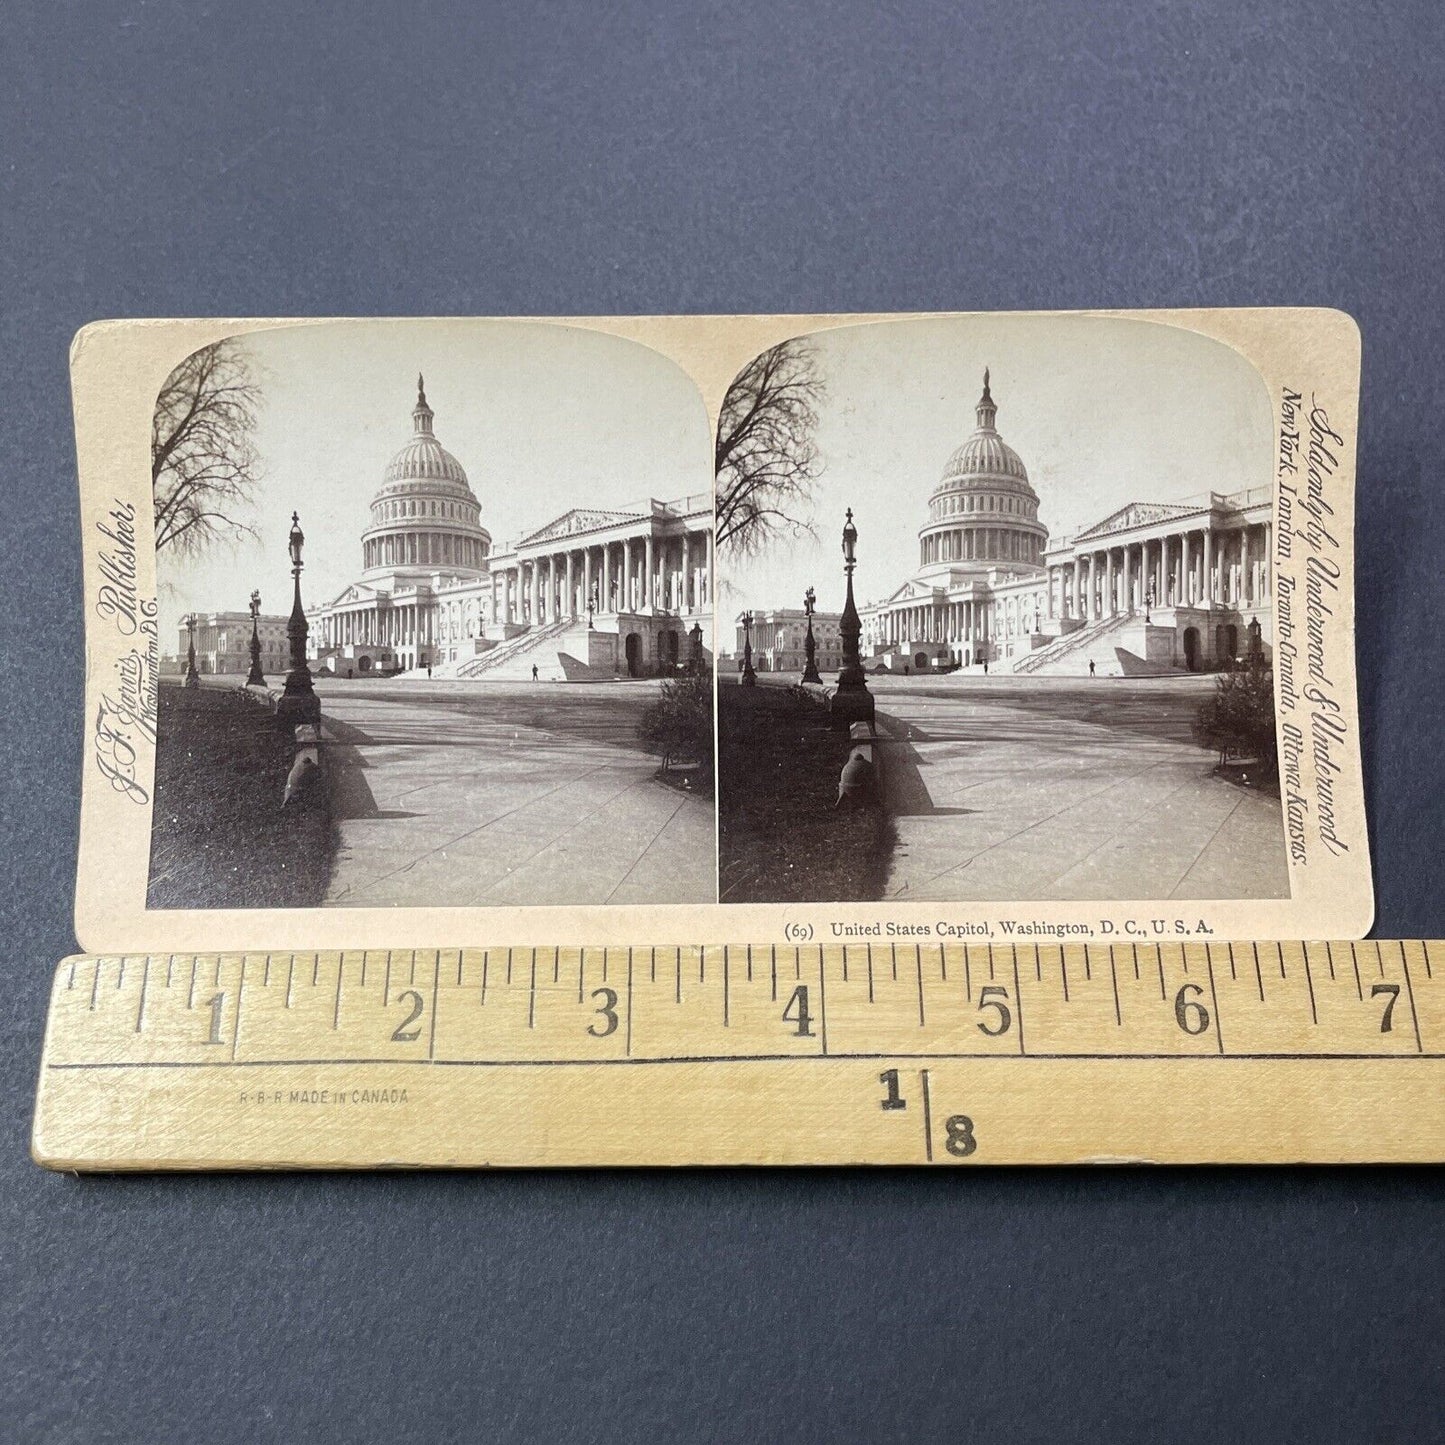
(996, 617)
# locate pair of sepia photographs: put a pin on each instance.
(1021, 627)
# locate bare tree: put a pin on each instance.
(766, 458)
(204, 467)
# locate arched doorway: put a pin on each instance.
(920, 662)
(634, 655)
(363, 664)
(1191, 648)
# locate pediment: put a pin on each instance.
(579, 519)
(1136, 514)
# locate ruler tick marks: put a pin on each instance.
(436, 998)
(120, 976)
(1163, 992)
(822, 995)
(1114, 979)
(556, 965)
(750, 963)
(385, 983)
(1429, 973)
(411, 972)
(726, 980)
(1279, 949)
(1063, 973)
(627, 1041)
(1409, 989)
(990, 961)
(265, 974)
(1309, 983)
(918, 956)
(509, 967)
(363, 968)
(653, 964)
(290, 979)
(677, 977)
(1359, 987)
(1088, 966)
(893, 959)
(218, 973)
(1258, 975)
(604, 965)
(943, 962)
(927, 1117)
(95, 986)
(1330, 959)
(486, 960)
(240, 993)
(140, 1012)
(459, 968)
(774, 955)
(701, 966)
(315, 971)
(1214, 999)
(531, 995)
(170, 963)
(340, 970)
(1018, 995)
(870, 976)
(1232, 973)
(1380, 958)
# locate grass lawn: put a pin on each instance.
(780, 839)
(219, 835)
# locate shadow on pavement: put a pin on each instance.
(905, 794)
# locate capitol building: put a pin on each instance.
(593, 593)
(1155, 588)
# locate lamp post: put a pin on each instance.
(750, 678)
(591, 605)
(193, 678)
(255, 678)
(810, 647)
(1148, 600)
(852, 702)
(694, 660)
(299, 703)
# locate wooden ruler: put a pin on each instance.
(733, 1055)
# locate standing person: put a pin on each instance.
(534, 672)
(428, 668)
(1091, 667)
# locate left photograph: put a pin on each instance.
(436, 601)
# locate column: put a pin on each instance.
(1128, 580)
(1111, 585)
(626, 602)
(686, 602)
(1206, 582)
(1246, 582)
(649, 580)
(534, 591)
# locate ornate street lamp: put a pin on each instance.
(255, 678)
(299, 703)
(1148, 599)
(694, 660)
(193, 678)
(591, 605)
(750, 678)
(852, 702)
(810, 647)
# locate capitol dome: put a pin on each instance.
(425, 515)
(983, 513)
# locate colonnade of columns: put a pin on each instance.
(1200, 567)
(966, 622)
(966, 544)
(423, 549)
(404, 624)
(636, 574)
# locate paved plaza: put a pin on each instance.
(460, 795)
(1051, 788)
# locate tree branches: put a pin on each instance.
(766, 459)
(204, 467)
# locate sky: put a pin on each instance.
(1102, 411)
(542, 418)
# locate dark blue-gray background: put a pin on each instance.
(165, 159)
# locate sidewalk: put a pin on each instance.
(441, 807)
(995, 801)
